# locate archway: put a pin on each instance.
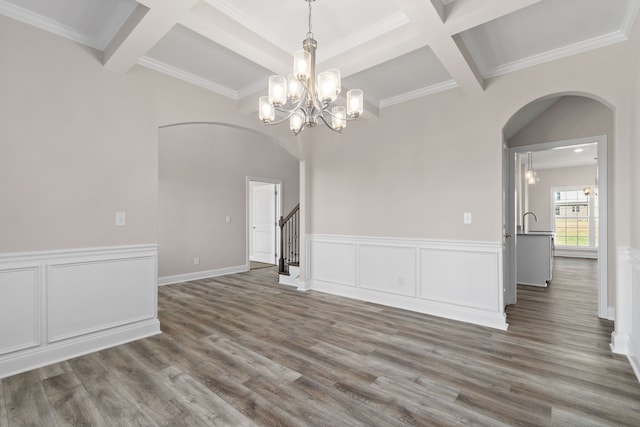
(203, 169)
(550, 123)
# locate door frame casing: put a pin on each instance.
(603, 303)
(278, 204)
(508, 234)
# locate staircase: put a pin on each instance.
(289, 263)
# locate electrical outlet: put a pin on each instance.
(196, 261)
(467, 217)
(227, 218)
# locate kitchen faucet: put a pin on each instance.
(524, 228)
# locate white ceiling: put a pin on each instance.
(395, 50)
(563, 157)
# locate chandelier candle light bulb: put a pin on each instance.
(266, 109)
(302, 64)
(296, 122)
(336, 74)
(327, 87)
(355, 102)
(277, 90)
(338, 117)
(303, 98)
(294, 89)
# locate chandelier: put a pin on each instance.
(304, 98)
(530, 175)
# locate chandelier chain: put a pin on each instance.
(309, 33)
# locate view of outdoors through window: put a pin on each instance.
(575, 217)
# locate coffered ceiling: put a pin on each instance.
(395, 50)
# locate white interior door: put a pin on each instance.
(263, 223)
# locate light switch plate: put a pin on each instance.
(121, 218)
(227, 218)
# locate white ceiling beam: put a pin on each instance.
(147, 25)
(209, 22)
(426, 17)
(453, 54)
(395, 43)
(440, 8)
(463, 15)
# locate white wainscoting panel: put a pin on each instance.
(55, 305)
(388, 269)
(120, 291)
(341, 256)
(454, 279)
(460, 277)
(19, 308)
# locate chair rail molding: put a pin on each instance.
(460, 280)
(56, 305)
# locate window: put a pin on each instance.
(575, 218)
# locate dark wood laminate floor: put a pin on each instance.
(240, 350)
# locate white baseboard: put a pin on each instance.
(434, 308)
(460, 280)
(634, 358)
(61, 304)
(199, 275)
(58, 352)
(619, 343)
(575, 253)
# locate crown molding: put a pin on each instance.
(31, 18)
(630, 15)
(179, 74)
(258, 86)
(419, 93)
(555, 54)
(47, 24)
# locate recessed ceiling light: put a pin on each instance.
(578, 150)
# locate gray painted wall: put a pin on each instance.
(202, 171)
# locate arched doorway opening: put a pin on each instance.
(204, 170)
(553, 127)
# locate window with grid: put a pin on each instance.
(575, 218)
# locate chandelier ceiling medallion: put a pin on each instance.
(304, 98)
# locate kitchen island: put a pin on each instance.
(534, 254)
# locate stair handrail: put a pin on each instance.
(292, 213)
